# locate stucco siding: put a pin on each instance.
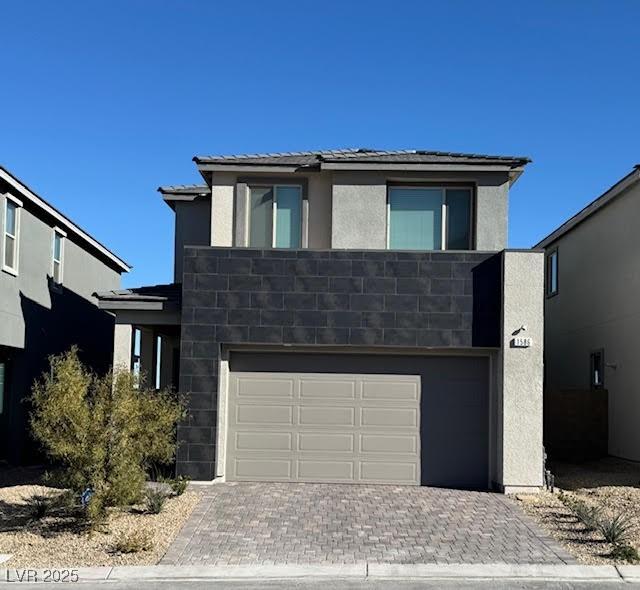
(320, 196)
(596, 308)
(522, 370)
(192, 228)
(492, 212)
(222, 207)
(359, 211)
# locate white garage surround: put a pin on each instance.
(319, 427)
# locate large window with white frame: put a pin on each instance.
(429, 218)
(11, 234)
(275, 216)
(57, 258)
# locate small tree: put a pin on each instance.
(104, 431)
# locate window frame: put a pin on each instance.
(274, 210)
(548, 267)
(13, 270)
(444, 229)
(592, 383)
(56, 231)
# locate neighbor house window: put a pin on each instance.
(597, 369)
(424, 218)
(136, 354)
(11, 241)
(275, 216)
(552, 273)
(57, 267)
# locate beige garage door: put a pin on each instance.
(318, 427)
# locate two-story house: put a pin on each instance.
(592, 320)
(49, 269)
(348, 316)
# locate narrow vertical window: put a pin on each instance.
(552, 273)
(11, 241)
(597, 369)
(158, 367)
(58, 256)
(136, 356)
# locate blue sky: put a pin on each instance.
(103, 101)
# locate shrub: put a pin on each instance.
(616, 530)
(104, 431)
(625, 552)
(155, 500)
(133, 542)
(39, 505)
(179, 484)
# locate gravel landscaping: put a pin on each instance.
(610, 485)
(57, 540)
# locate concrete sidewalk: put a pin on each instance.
(363, 571)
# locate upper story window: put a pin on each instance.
(57, 263)
(275, 216)
(552, 273)
(11, 234)
(426, 218)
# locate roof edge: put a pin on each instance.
(34, 198)
(593, 207)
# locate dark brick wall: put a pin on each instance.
(353, 298)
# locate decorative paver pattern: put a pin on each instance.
(270, 523)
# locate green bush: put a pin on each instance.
(179, 484)
(616, 530)
(133, 542)
(155, 500)
(104, 431)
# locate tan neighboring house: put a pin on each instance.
(592, 309)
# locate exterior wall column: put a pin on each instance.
(122, 343)
(520, 373)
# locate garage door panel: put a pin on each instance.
(260, 387)
(388, 472)
(262, 469)
(329, 471)
(327, 389)
(326, 442)
(263, 414)
(386, 443)
(389, 417)
(389, 390)
(326, 416)
(264, 441)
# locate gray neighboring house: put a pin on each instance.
(347, 316)
(591, 309)
(49, 270)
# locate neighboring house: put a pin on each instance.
(348, 316)
(591, 308)
(49, 270)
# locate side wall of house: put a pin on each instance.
(37, 320)
(596, 307)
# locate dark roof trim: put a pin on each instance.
(354, 158)
(604, 199)
(62, 219)
(154, 297)
(183, 193)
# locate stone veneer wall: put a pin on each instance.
(329, 297)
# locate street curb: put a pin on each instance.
(496, 571)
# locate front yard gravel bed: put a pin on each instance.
(611, 484)
(59, 542)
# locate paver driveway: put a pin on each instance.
(269, 523)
